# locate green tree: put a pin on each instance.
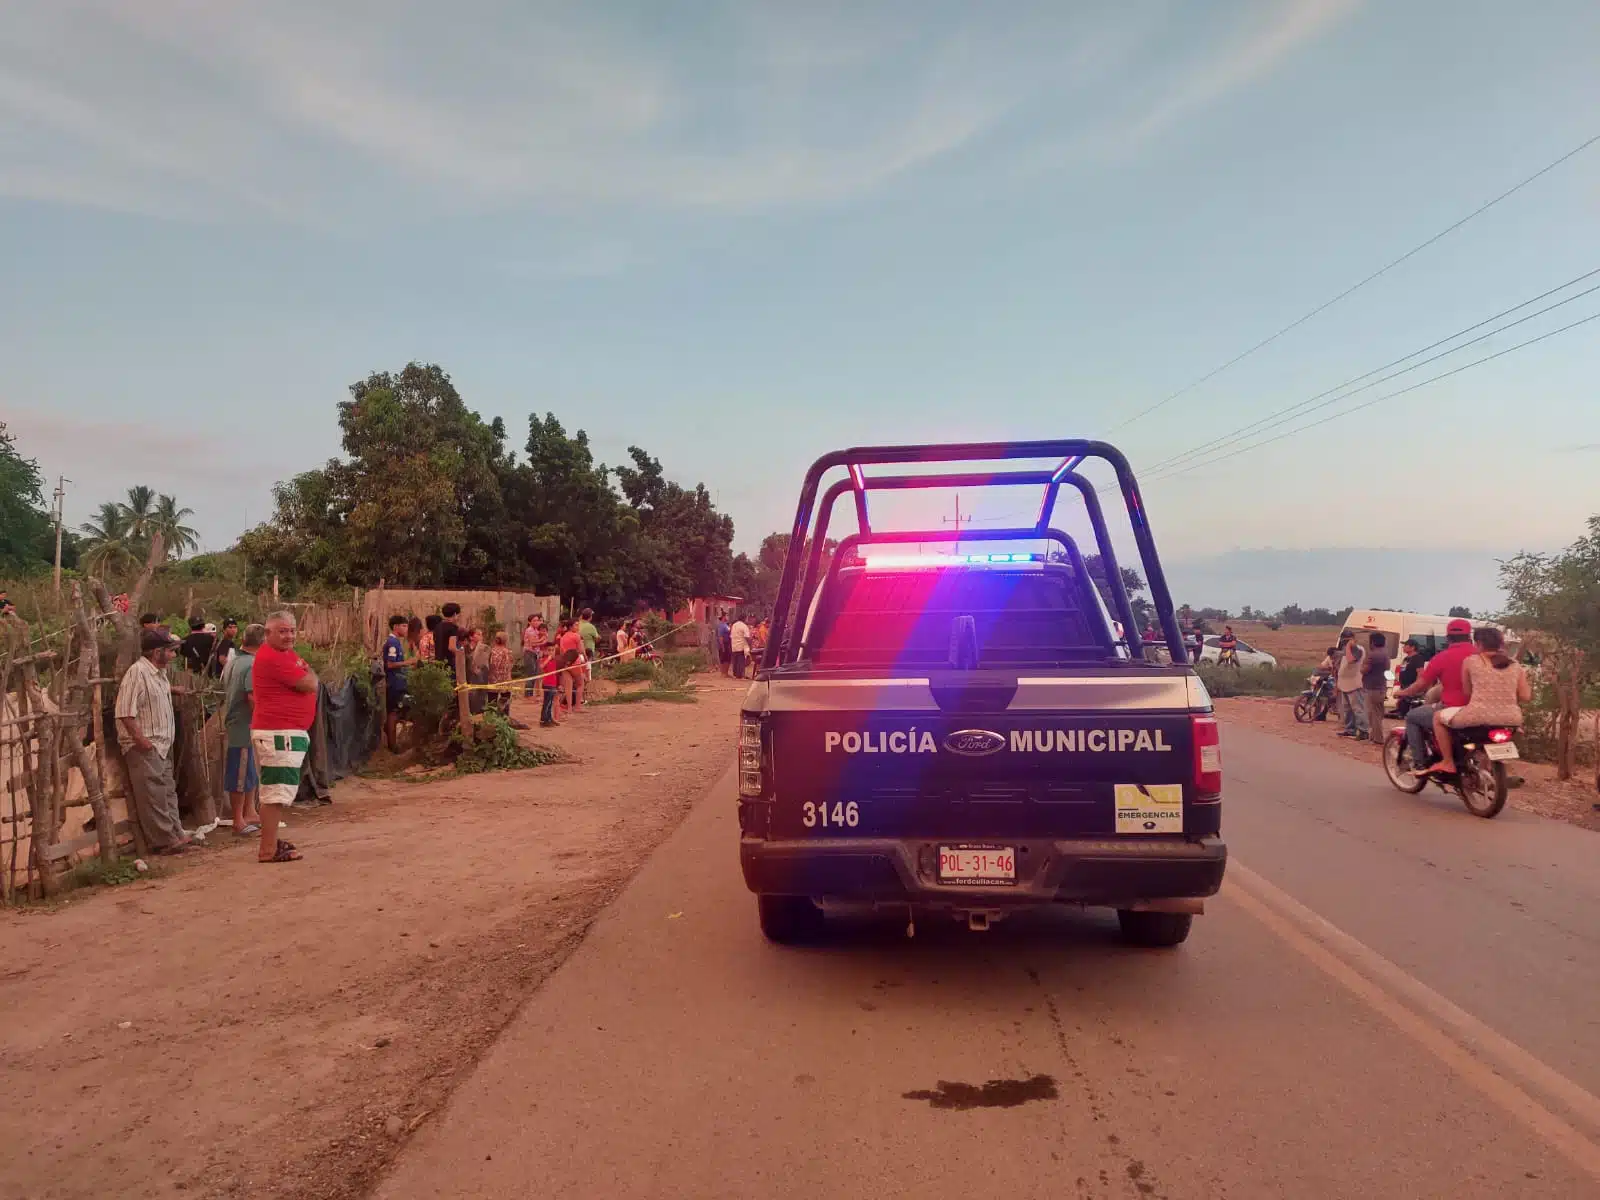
(1143, 613)
(1553, 600)
(419, 467)
(1461, 610)
(572, 531)
(428, 493)
(169, 520)
(25, 527)
(683, 546)
(107, 550)
(139, 518)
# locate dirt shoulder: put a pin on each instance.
(1541, 792)
(249, 1030)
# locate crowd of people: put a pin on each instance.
(269, 699)
(1471, 682)
(554, 666)
(269, 704)
(735, 647)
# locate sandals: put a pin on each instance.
(247, 831)
(283, 845)
(284, 854)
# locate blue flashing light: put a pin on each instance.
(926, 561)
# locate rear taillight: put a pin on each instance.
(749, 755)
(1499, 736)
(1207, 755)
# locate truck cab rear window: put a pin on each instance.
(911, 618)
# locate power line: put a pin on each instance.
(1477, 362)
(1481, 209)
(1310, 404)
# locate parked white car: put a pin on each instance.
(1249, 656)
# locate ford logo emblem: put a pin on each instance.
(974, 743)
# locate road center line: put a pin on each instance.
(1455, 1037)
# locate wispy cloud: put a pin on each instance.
(1587, 448)
(1271, 36)
(305, 110)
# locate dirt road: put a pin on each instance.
(265, 1031)
(1391, 998)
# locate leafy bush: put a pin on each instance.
(672, 674)
(655, 626)
(489, 622)
(1539, 740)
(433, 695)
(636, 671)
(693, 660)
(93, 872)
(496, 748)
(1252, 681)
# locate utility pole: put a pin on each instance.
(61, 497)
(958, 520)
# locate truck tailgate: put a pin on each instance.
(981, 776)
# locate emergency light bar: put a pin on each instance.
(904, 561)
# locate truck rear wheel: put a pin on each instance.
(1153, 928)
(789, 919)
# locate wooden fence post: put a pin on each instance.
(463, 699)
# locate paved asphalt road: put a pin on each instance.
(1390, 998)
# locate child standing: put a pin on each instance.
(550, 674)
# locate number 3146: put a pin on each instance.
(843, 815)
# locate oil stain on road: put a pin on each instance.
(997, 1093)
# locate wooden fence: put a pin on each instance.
(365, 616)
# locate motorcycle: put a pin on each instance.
(1315, 702)
(1481, 755)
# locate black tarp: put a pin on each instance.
(344, 735)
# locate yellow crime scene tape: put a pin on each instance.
(503, 684)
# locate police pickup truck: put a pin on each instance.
(973, 733)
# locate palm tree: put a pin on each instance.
(167, 520)
(139, 514)
(108, 548)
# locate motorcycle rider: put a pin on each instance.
(1495, 688)
(1444, 668)
(1227, 648)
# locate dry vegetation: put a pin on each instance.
(1292, 645)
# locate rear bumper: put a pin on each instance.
(1096, 871)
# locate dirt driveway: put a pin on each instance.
(238, 1029)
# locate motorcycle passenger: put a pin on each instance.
(1444, 668)
(1495, 688)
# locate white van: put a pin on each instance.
(1426, 630)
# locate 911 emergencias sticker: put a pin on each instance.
(1149, 808)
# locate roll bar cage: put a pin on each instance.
(796, 591)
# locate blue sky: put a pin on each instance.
(742, 234)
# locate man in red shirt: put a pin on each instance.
(285, 691)
(1444, 668)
